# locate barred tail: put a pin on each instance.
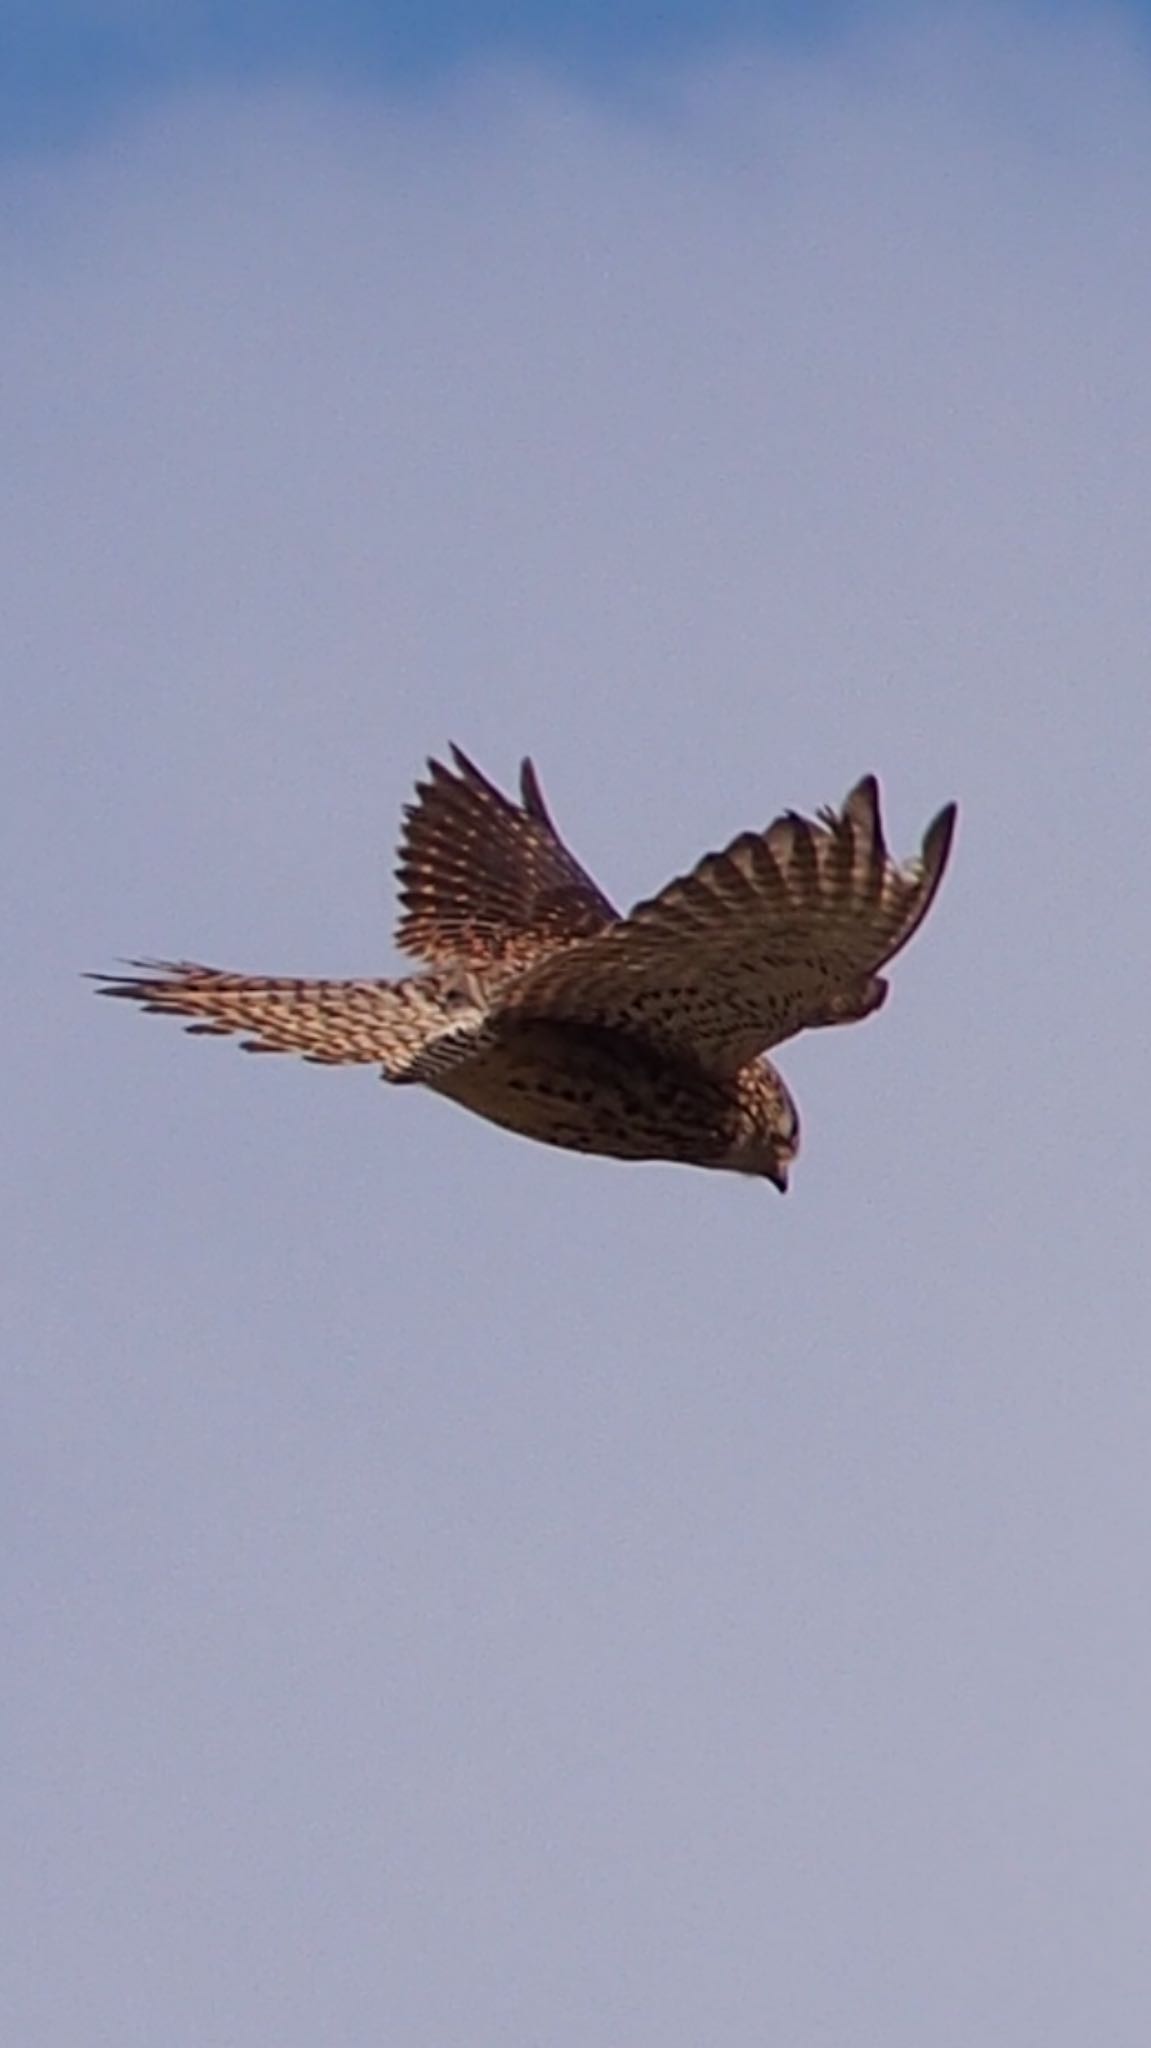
(379, 1023)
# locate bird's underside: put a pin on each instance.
(543, 1009)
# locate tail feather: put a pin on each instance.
(387, 1024)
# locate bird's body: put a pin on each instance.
(590, 1089)
(545, 1011)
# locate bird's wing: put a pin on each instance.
(394, 1025)
(785, 929)
(486, 882)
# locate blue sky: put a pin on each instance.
(69, 69)
(456, 1593)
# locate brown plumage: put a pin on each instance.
(544, 1010)
(487, 881)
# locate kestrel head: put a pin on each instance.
(767, 1136)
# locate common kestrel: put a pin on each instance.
(543, 1009)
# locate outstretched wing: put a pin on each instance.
(485, 881)
(390, 1024)
(783, 930)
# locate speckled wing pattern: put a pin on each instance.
(486, 882)
(785, 929)
(396, 1025)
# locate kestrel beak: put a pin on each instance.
(778, 1177)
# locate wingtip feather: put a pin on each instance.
(938, 839)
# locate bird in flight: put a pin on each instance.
(542, 1008)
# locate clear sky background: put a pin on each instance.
(460, 1595)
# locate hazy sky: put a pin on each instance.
(461, 1595)
(69, 67)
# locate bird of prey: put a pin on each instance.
(542, 1008)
